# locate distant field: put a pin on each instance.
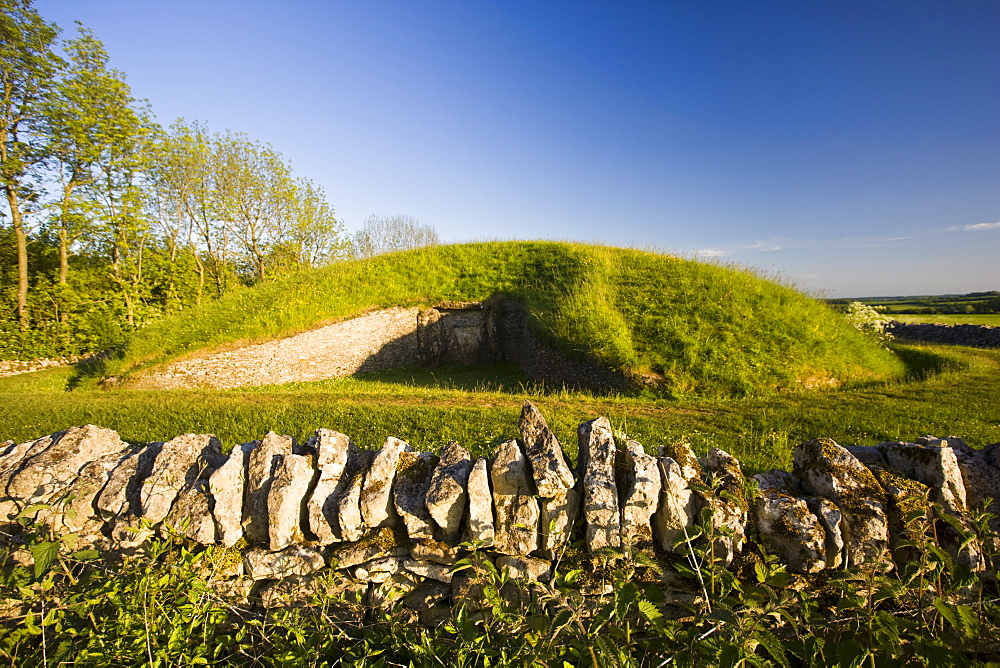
(976, 308)
(991, 319)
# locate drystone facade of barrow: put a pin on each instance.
(468, 333)
(393, 523)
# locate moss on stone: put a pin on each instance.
(681, 452)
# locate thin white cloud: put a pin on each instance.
(710, 252)
(763, 247)
(977, 227)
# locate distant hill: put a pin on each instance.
(676, 326)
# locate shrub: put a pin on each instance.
(869, 321)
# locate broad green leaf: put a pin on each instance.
(44, 554)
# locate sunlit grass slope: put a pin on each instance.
(687, 327)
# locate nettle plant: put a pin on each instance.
(869, 320)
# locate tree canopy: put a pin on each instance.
(110, 220)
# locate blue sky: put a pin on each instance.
(850, 147)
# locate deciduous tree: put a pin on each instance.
(28, 68)
(386, 234)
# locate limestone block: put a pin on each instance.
(729, 515)
(434, 550)
(350, 522)
(333, 450)
(447, 493)
(830, 471)
(479, 527)
(49, 465)
(427, 594)
(429, 569)
(265, 457)
(779, 480)
(73, 509)
(791, 531)
(120, 497)
(596, 470)
(8, 447)
(413, 479)
(226, 485)
(557, 514)
(287, 500)
(378, 570)
(678, 507)
(349, 509)
(982, 482)
(191, 513)
(520, 568)
(549, 467)
(15, 457)
(681, 452)
(830, 518)
(182, 460)
(641, 489)
(869, 455)
(932, 462)
(905, 498)
(294, 560)
(376, 492)
(515, 508)
(384, 542)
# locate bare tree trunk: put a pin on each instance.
(63, 316)
(199, 268)
(63, 255)
(22, 259)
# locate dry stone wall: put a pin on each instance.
(393, 523)
(976, 336)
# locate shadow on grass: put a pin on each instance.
(922, 363)
(89, 371)
(506, 378)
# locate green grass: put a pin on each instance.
(952, 391)
(991, 319)
(695, 328)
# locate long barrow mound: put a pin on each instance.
(568, 314)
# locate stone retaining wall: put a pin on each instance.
(461, 333)
(392, 523)
(15, 367)
(977, 336)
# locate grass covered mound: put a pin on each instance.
(678, 326)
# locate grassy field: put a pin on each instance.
(156, 607)
(951, 391)
(730, 349)
(976, 308)
(990, 319)
(693, 328)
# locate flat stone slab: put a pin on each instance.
(376, 492)
(265, 457)
(447, 492)
(549, 466)
(516, 510)
(294, 560)
(600, 489)
(333, 450)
